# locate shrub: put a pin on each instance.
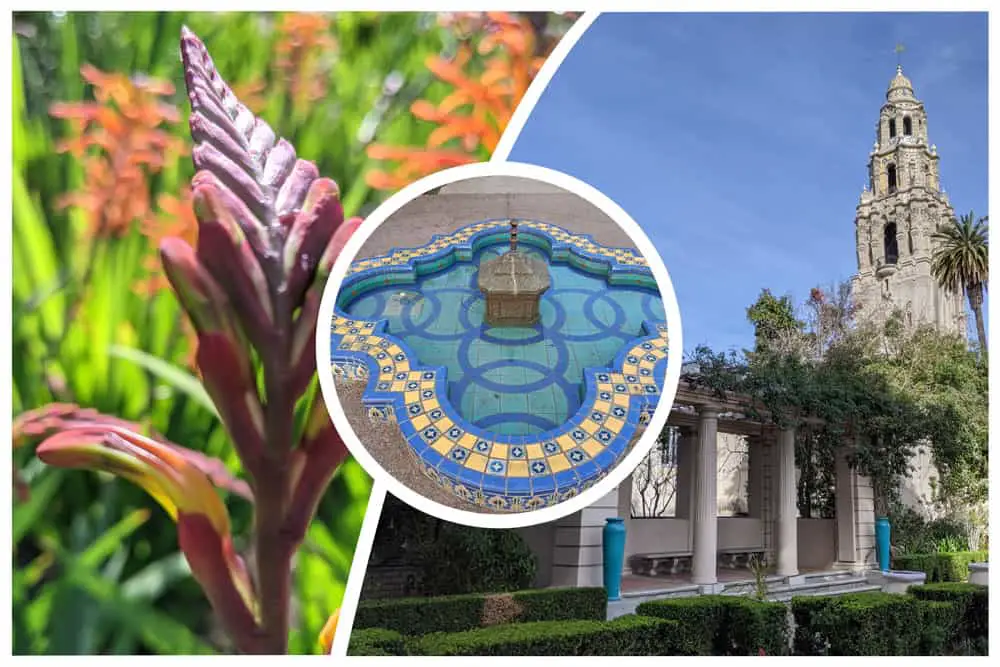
(859, 624)
(456, 613)
(950, 566)
(452, 559)
(971, 603)
(724, 625)
(628, 635)
(552, 604)
(376, 641)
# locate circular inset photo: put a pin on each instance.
(499, 344)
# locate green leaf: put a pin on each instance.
(175, 376)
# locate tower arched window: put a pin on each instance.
(890, 244)
(891, 169)
(892, 128)
(907, 126)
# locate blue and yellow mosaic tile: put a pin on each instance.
(514, 471)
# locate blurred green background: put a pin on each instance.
(96, 564)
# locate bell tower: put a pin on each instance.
(901, 207)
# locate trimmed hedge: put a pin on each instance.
(945, 566)
(874, 624)
(627, 635)
(376, 641)
(457, 613)
(724, 624)
(971, 603)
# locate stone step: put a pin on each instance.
(854, 587)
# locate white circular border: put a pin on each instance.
(512, 519)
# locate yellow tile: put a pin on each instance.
(476, 462)
(636, 389)
(603, 386)
(430, 404)
(442, 445)
(499, 451)
(394, 350)
(592, 447)
(558, 463)
(630, 369)
(415, 375)
(411, 397)
(467, 440)
(614, 425)
(399, 385)
(566, 443)
(534, 451)
(517, 468)
(621, 399)
(402, 365)
(427, 384)
(589, 426)
(420, 422)
(444, 424)
(602, 406)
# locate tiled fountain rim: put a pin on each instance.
(534, 470)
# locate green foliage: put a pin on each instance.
(376, 641)
(877, 624)
(552, 604)
(773, 318)
(724, 625)
(455, 613)
(464, 559)
(941, 566)
(628, 635)
(452, 559)
(912, 533)
(962, 262)
(971, 605)
(882, 397)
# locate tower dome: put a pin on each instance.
(900, 87)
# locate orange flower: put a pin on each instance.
(472, 117)
(175, 218)
(328, 631)
(121, 138)
(302, 41)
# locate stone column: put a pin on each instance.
(847, 551)
(788, 542)
(705, 514)
(684, 494)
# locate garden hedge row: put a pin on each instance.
(376, 641)
(944, 566)
(724, 624)
(927, 623)
(457, 613)
(626, 635)
(971, 602)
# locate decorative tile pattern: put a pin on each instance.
(504, 472)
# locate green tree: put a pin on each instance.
(774, 321)
(962, 262)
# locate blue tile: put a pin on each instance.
(493, 484)
(519, 485)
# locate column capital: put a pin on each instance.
(708, 412)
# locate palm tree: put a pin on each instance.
(962, 262)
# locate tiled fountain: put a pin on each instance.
(523, 409)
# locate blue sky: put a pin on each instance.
(739, 142)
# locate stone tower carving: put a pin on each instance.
(901, 207)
